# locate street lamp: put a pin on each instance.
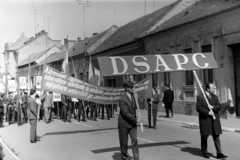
(84, 3)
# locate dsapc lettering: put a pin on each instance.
(143, 62)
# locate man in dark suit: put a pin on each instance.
(153, 107)
(33, 112)
(127, 121)
(208, 125)
(168, 99)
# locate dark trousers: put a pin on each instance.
(69, 112)
(108, 111)
(11, 114)
(19, 115)
(149, 118)
(123, 139)
(154, 115)
(1, 118)
(81, 112)
(216, 141)
(64, 112)
(33, 129)
(25, 114)
(168, 107)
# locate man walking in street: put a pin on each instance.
(127, 121)
(168, 99)
(208, 125)
(33, 116)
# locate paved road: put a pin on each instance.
(98, 140)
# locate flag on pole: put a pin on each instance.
(98, 77)
(91, 77)
(65, 63)
(29, 76)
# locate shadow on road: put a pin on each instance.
(117, 156)
(76, 132)
(194, 151)
(140, 146)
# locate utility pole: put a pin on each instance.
(145, 7)
(43, 14)
(153, 5)
(35, 11)
(48, 23)
(84, 3)
(115, 17)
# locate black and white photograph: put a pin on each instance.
(119, 79)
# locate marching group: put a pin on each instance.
(23, 108)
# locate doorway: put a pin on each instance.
(236, 57)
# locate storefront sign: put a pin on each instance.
(142, 64)
(59, 82)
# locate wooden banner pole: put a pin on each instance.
(200, 86)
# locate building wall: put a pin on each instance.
(42, 42)
(219, 31)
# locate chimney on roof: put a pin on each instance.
(79, 39)
(65, 41)
(95, 34)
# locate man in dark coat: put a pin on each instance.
(33, 112)
(153, 107)
(168, 99)
(208, 125)
(127, 121)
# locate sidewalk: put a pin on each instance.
(229, 125)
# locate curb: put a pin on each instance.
(195, 125)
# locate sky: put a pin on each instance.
(65, 18)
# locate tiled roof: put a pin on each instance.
(82, 46)
(35, 56)
(129, 32)
(19, 42)
(79, 48)
(201, 9)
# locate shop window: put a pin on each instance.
(207, 73)
(189, 74)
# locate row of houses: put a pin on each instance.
(185, 26)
